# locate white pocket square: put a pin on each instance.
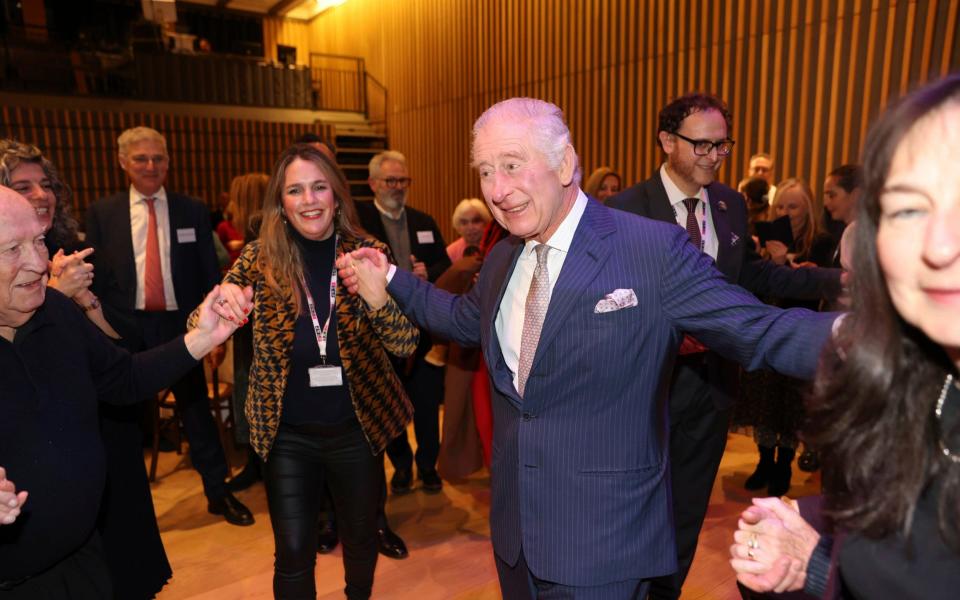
(616, 300)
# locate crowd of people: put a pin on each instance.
(590, 346)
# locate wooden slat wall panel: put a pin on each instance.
(804, 77)
(205, 153)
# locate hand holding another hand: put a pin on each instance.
(773, 544)
(364, 272)
(69, 273)
(11, 502)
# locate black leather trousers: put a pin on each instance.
(302, 460)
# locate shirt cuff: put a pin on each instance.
(391, 271)
(818, 568)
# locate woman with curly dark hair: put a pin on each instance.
(886, 409)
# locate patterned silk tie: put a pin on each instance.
(153, 298)
(538, 299)
(693, 228)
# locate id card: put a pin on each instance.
(325, 376)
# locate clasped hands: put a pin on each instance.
(70, 273)
(364, 272)
(773, 544)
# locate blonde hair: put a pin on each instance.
(135, 135)
(811, 229)
(466, 204)
(280, 259)
(246, 199)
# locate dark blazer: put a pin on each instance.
(193, 264)
(579, 474)
(433, 255)
(736, 259)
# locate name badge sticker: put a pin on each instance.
(425, 237)
(186, 235)
(325, 376)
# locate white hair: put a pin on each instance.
(471, 203)
(136, 135)
(546, 127)
(377, 161)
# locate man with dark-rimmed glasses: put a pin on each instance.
(694, 134)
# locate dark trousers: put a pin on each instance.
(424, 385)
(518, 583)
(82, 575)
(301, 461)
(698, 436)
(193, 404)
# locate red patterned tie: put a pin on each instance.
(153, 298)
(693, 228)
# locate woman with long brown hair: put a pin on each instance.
(323, 400)
(885, 415)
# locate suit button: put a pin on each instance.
(527, 416)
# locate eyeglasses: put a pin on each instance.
(396, 182)
(142, 160)
(703, 147)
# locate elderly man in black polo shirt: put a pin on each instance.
(54, 367)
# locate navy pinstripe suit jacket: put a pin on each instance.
(580, 464)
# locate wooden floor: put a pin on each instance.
(448, 536)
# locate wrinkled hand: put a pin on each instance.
(216, 320)
(11, 502)
(364, 272)
(777, 251)
(419, 268)
(772, 546)
(70, 274)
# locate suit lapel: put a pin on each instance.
(588, 251)
(120, 227)
(720, 224)
(490, 305)
(660, 208)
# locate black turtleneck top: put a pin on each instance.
(303, 404)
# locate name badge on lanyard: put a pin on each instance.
(323, 375)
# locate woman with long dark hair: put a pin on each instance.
(886, 411)
(323, 400)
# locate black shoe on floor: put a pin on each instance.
(247, 477)
(761, 475)
(390, 545)
(327, 537)
(401, 482)
(781, 474)
(233, 511)
(432, 484)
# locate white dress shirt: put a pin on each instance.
(139, 218)
(513, 307)
(708, 232)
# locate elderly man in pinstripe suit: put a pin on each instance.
(579, 314)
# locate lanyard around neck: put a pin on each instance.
(321, 332)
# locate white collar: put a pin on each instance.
(563, 236)
(136, 196)
(385, 213)
(674, 195)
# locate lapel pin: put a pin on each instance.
(734, 238)
(722, 205)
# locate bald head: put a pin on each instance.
(23, 262)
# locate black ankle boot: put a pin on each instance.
(761, 476)
(249, 475)
(780, 477)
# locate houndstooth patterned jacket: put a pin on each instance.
(365, 338)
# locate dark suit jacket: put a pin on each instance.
(579, 470)
(433, 255)
(736, 259)
(193, 264)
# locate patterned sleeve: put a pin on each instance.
(398, 335)
(242, 273)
